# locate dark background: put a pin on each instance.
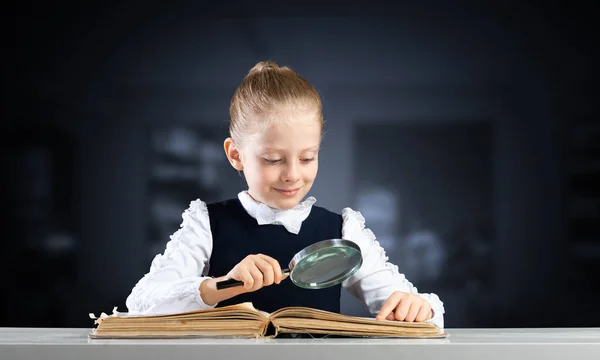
(466, 134)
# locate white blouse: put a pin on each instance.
(173, 282)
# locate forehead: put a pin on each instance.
(289, 129)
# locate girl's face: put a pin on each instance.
(280, 162)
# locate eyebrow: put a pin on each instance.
(283, 150)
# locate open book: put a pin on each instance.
(244, 321)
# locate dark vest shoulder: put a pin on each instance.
(236, 235)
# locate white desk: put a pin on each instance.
(488, 344)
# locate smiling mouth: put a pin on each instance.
(288, 192)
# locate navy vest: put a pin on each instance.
(236, 235)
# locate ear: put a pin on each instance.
(233, 154)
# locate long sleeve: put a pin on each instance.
(377, 279)
(173, 282)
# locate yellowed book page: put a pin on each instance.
(308, 313)
(235, 320)
(178, 334)
(350, 333)
(196, 324)
(383, 328)
(241, 311)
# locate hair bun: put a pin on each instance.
(263, 65)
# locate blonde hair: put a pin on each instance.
(266, 88)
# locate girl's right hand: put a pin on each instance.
(257, 271)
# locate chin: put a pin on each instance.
(284, 204)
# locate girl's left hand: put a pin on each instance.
(407, 307)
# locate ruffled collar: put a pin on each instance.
(291, 219)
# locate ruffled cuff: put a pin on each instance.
(183, 298)
(437, 307)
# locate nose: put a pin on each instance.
(291, 174)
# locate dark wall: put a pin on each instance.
(87, 87)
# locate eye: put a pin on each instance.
(272, 161)
(307, 160)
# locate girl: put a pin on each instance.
(276, 124)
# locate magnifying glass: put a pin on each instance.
(318, 266)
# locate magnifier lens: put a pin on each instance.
(326, 267)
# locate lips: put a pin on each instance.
(288, 192)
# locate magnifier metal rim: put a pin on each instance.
(321, 245)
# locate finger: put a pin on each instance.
(277, 274)
(244, 275)
(424, 313)
(390, 317)
(402, 308)
(389, 306)
(257, 275)
(413, 311)
(266, 269)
